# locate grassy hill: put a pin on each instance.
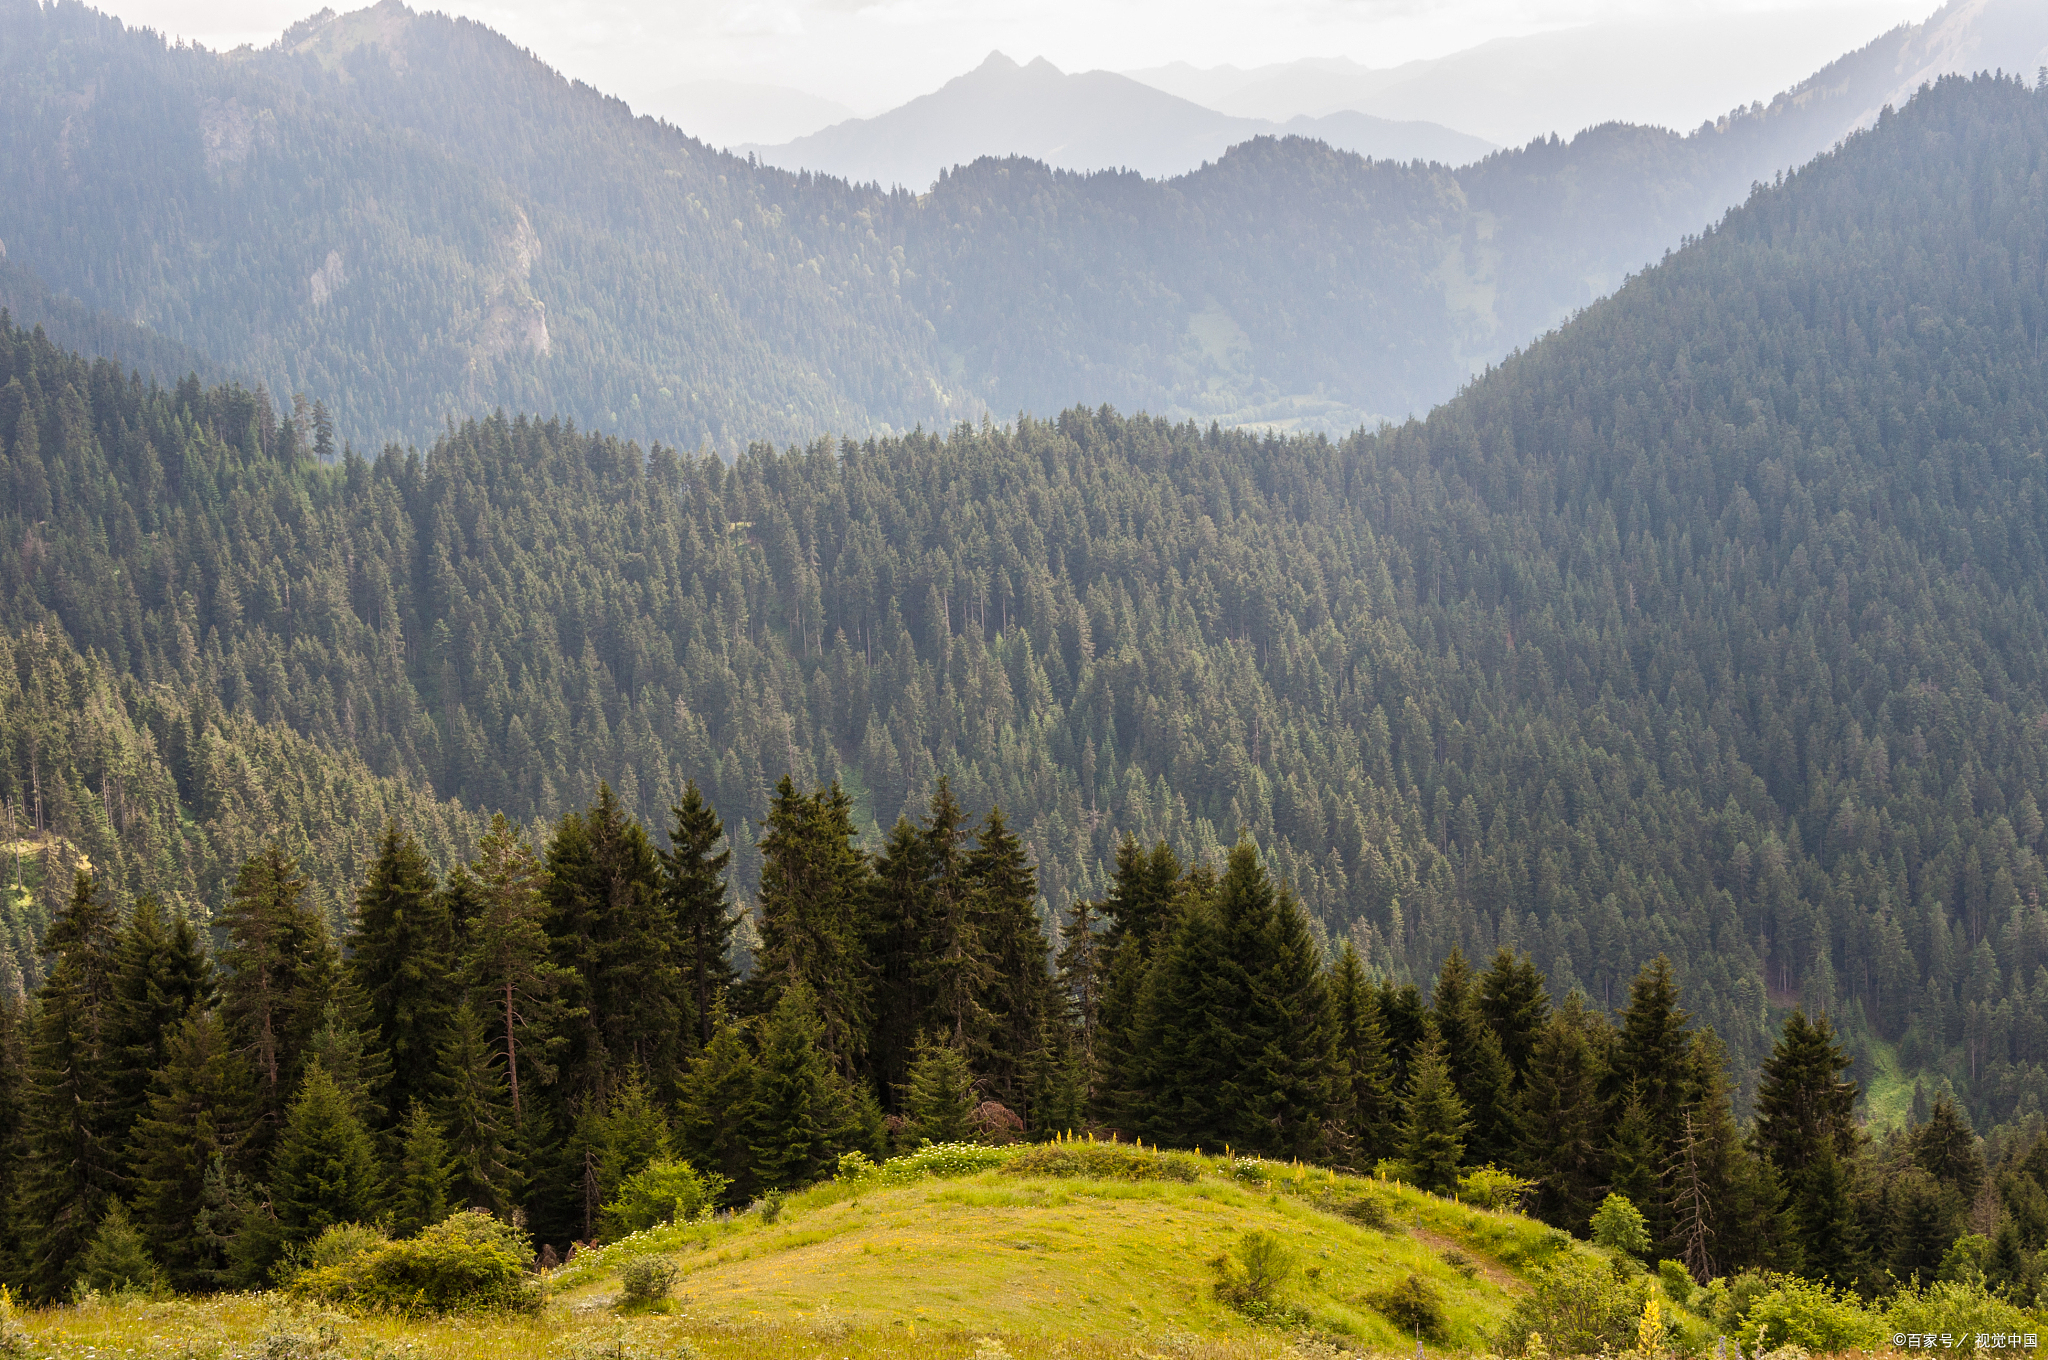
(1021, 1258)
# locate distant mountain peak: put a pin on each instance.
(995, 61)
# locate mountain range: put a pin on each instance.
(1094, 120)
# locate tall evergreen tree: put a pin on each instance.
(1433, 1134)
(1805, 1127)
(716, 1112)
(939, 1098)
(954, 967)
(280, 969)
(1172, 1088)
(200, 1103)
(473, 1106)
(614, 1140)
(1565, 1115)
(420, 1189)
(693, 876)
(1018, 1000)
(1516, 1005)
(75, 1159)
(611, 924)
(14, 1093)
(508, 965)
(1472, 1050)
(1368, 1109)
(898, 913)
(160, 973)
(400, 956)
(1946, 1149)
(803, 1112)
(1081, 967)
(325, 1169)
(814, 897)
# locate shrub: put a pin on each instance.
(1460, 1262)
(343, 1243)
(1677, 1282)
(1368, 1210)
(855, 1166)
(1414, 1305)
(663, 1191)
(1489, 1187)
(1618, 1226)
(1250, 1277)
(945, 1159)
(470, 1262)
(1956, 1307)
(1579, 1306)
(1811, 1316)
(646, 1279)
(1102, 1161)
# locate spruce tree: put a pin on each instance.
(359, 1065)
(1269, 1015)
(1433, 1134)
(716, 1111)
(614, 1140)
(1481, 1072)
(814, 922)
(1565, 1114)
(507, 963)
(279, 974)
(1805, 1127)
(610, 921)
(1018, 1000)
(160, 973)
(420, 1191)
(802, 1117)
(954, 968)
(939, 1098)
(200, 1102)
(1176, 1071)
(75, 1162)
(1516, 1005)
(117, 1260)
(1946, 1149)
(471, 1102)
(400, 956)
(1144, 896)
(14, 1089)
(325, 1168)
(1081, 965)
(898, 911)
(1365, 1103)
(693, 876)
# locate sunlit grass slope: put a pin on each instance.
(955, 1261)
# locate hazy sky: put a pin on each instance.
(874, 54)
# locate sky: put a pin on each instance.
(874, 54)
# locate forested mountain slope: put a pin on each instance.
(409, 218)
(1710, 626)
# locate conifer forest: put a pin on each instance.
(1623, 784)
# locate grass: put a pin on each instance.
(988, 1262)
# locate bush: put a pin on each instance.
(946, 1159)
(1414, 1305)
(1368, 1210)
(1677, 1282)
(1579, 1307)
(1956, 1307)
(470, 1262)
(770, 1206)
(1618, 1226)
(1459, 1261)
(1102, 1161)
(1489, 1187)
(117, 1260)
(647, 1279)
(342, 1243)
(1810, 1316)
(1250, 1277)
(664, 1191)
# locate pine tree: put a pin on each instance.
(814, 894)
(1648, 1084)
(1177, 1072)
(1018, 999)
(200, 1102)
(939, 1099)
(1805, 1127)
(472, 1104)
(420, 1191)
(1516, 1005)
(508, 965)
(716, 1111)
(802, 1114)
(954, 969)
(1144, 896)
(615, 1140)
(898, 912)
(400, 956)
(1480, 1071)
(160, 973)
(359, 1065)
(693, 877)
(610, 922)
(1433, 1134)
(74, 1163)
(325, 1168)
(14, 1091)
(117, 1260)
(1081, 965)
(280, 970)
(1365, 1104)
(1270, 1015)
(1565, 1114)
(1946, 1149)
